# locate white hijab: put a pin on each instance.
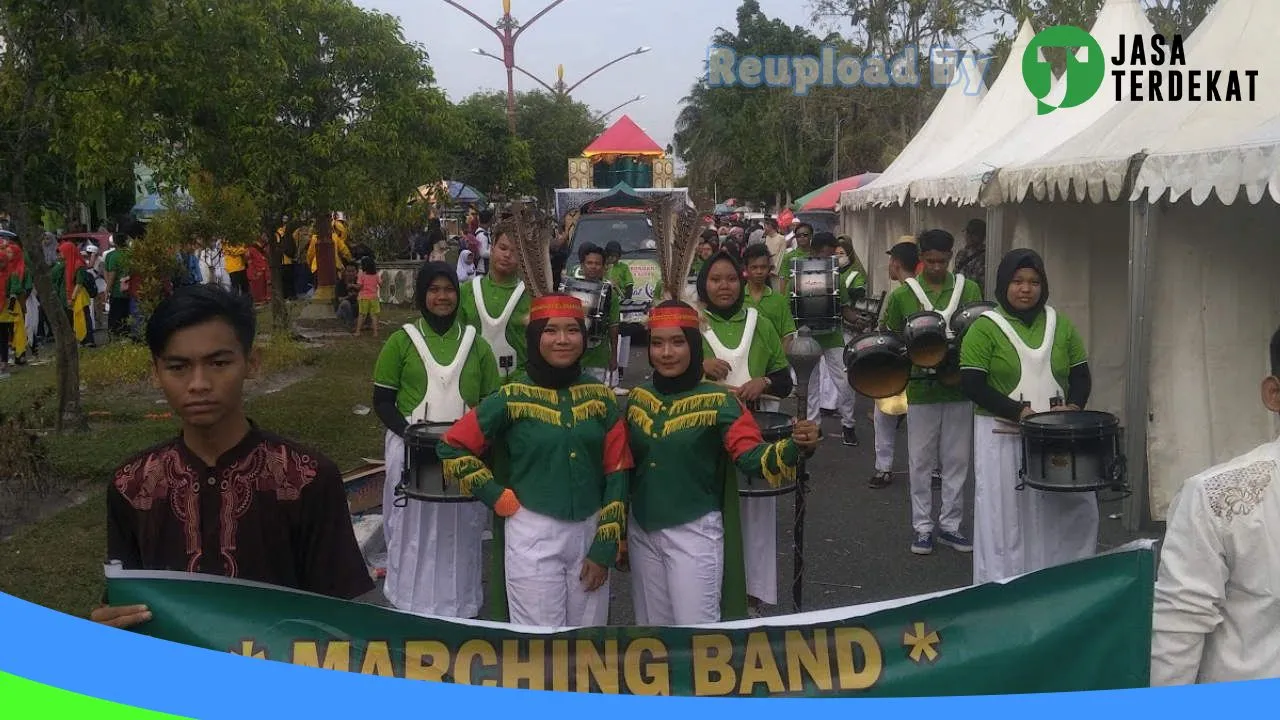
(466, 266)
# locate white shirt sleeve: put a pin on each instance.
(1190, 589)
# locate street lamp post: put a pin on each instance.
(616, 108)
(507, 30)
(559, 88)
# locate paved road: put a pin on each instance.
(856, 539)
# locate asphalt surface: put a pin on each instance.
(856, 539)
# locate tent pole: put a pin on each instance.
(873, 257)
(1137, 507)
(997, 246)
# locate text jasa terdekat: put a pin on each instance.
(1154, 69)
(831, 660)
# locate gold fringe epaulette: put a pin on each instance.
(705, 418)
(615, 511)
(467, 473)
(581, 393)
(531, 392)
(645, 399)
(609, 531)
(588, 410)
(694, 403)
(638, 417)
(785, 472)
(532, 411)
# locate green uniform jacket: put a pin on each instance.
(495, 297)
(901, 304)
(623, 281)
(774, 306)
(686, 447)
(566, 456)
(83, 278)
(986, 348)
(117, 262)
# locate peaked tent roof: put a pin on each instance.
(1236, 34)
(1038, 134)
(1006, 105)
(623, 138)
(950, 114)
(1252, 163)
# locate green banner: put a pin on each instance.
(1082, 626)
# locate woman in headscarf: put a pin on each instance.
(561, 498)
(466, 268)
(742, 349)
(684, 542)
(14, 287)
(1019, 359)
(432, 370)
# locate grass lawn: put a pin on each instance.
(58, 562)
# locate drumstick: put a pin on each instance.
(1004, 427)
(763, 396)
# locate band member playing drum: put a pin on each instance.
(1019, 359)
(832, 343)
(1215, 597)
(939, 418)
(903, 259)
(497, 306)
(563, 501)
(602, 360)
(431, 370)
(684, 543)
(742, 350)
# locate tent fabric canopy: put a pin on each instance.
(1252, 164)
(951, 113)
(1038, 134)
(827, 196)
(1005, 106)
(623, 138)
(1094, 165)
(620, 196)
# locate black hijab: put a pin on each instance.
(427, 275)
(1012, 262)
(692, 375)
(542, 372)
(705, 272)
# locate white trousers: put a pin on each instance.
(624, 350)
(886, 427)
(600, 374)
(676, 573)
(939, 433)
(832, 363)
(760, 539)
(433, 549)
(544, 558)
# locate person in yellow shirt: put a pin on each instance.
(341, 254)
(234, 259)
(287, 250)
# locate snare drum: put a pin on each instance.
(925, 334)
(877, 364)
(774, 426)
(595, 297)
(1072, 451)
(863, 313)
(964, 317)
(815, 300)
(423, 475)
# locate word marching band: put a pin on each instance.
(499, 420)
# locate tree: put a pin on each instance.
(556, 128)
(489, 159)
(75, 84)
(310, 105)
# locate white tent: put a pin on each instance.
(1005, 106)
(1241, 34)
(949, 116)
(1037, 134)
(952, 113)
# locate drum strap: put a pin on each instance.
(739, 356)
(956, 292)
(848, 282)
(437, 373)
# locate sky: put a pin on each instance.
(582, 35)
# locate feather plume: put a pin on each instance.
(677, 226)
(532, 234)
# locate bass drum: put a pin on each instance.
(877, 364)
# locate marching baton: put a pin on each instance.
(804, 354)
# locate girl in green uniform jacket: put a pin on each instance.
(687, 436)
(561, 495)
